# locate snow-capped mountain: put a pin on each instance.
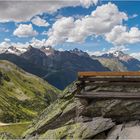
(119, 58)
(79, 52)
(13, 50)
(20, 50)
(47, 50)
(117, 54)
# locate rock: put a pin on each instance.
(80, 130)
(73, 118)
(56, 115)
(129, 130)
(120, 110)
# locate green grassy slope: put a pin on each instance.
(22, 95)
(15, 129)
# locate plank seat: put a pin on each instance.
(93, 74)
(109, 95)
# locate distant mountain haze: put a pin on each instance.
(119, 61)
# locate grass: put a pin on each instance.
(22, 95)
(16, 129)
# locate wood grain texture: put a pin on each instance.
(109, 95)
(92, 74)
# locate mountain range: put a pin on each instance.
(60, 68)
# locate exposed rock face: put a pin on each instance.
(129, 130)
(81, 130)
(71, 118)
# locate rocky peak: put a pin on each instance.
(79, 52)
(117, 54)
(47, 50)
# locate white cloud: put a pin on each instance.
(24, 10)
(25, 30)
(96, 53)
(136, 55)
(118, 48)
(87, 3)
(60, 31)
(4, 44)
(44, 33)
(38, 43)
(133, 16)
(7, 40)
(39, 21)
(7, 43)
(101, 21)
(111, 50)
(120, 35)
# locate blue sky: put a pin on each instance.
(11, 28)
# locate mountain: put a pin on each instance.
(62, 65)
(119, 61)
(13, 50)
(52, 64)
(22, 95)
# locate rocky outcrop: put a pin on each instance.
(71, 118)
(81, 130)
(125, 131)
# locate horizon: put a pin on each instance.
(43, 24)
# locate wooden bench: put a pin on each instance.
(107, 79)
(109, 95)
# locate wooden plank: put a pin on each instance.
(92, 74)
(112, 84)
(109, 95)
(116, 79)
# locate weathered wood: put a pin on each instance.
(109, 95)
(92, 74)
(114, 79)
(112, 83)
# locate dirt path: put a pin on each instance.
(3, 124)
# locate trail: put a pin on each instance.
(3, 124)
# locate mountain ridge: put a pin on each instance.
(60, 65)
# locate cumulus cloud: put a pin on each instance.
(111, 50)
(11, 10)
(39, 21)
(120, 35)
(87, 3)
(95, 53)
(4, 44)
(60, 30)
(25, 30)
(135, 55)
(101, 21)
(7, 43)
(38, 43)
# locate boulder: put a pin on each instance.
(129, 130)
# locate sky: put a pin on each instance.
(89, 25)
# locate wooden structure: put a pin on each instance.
(108, 79)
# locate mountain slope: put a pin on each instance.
(62, 66)
(112, 64)
(119, 61)
(51, 64)
(22, 95)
